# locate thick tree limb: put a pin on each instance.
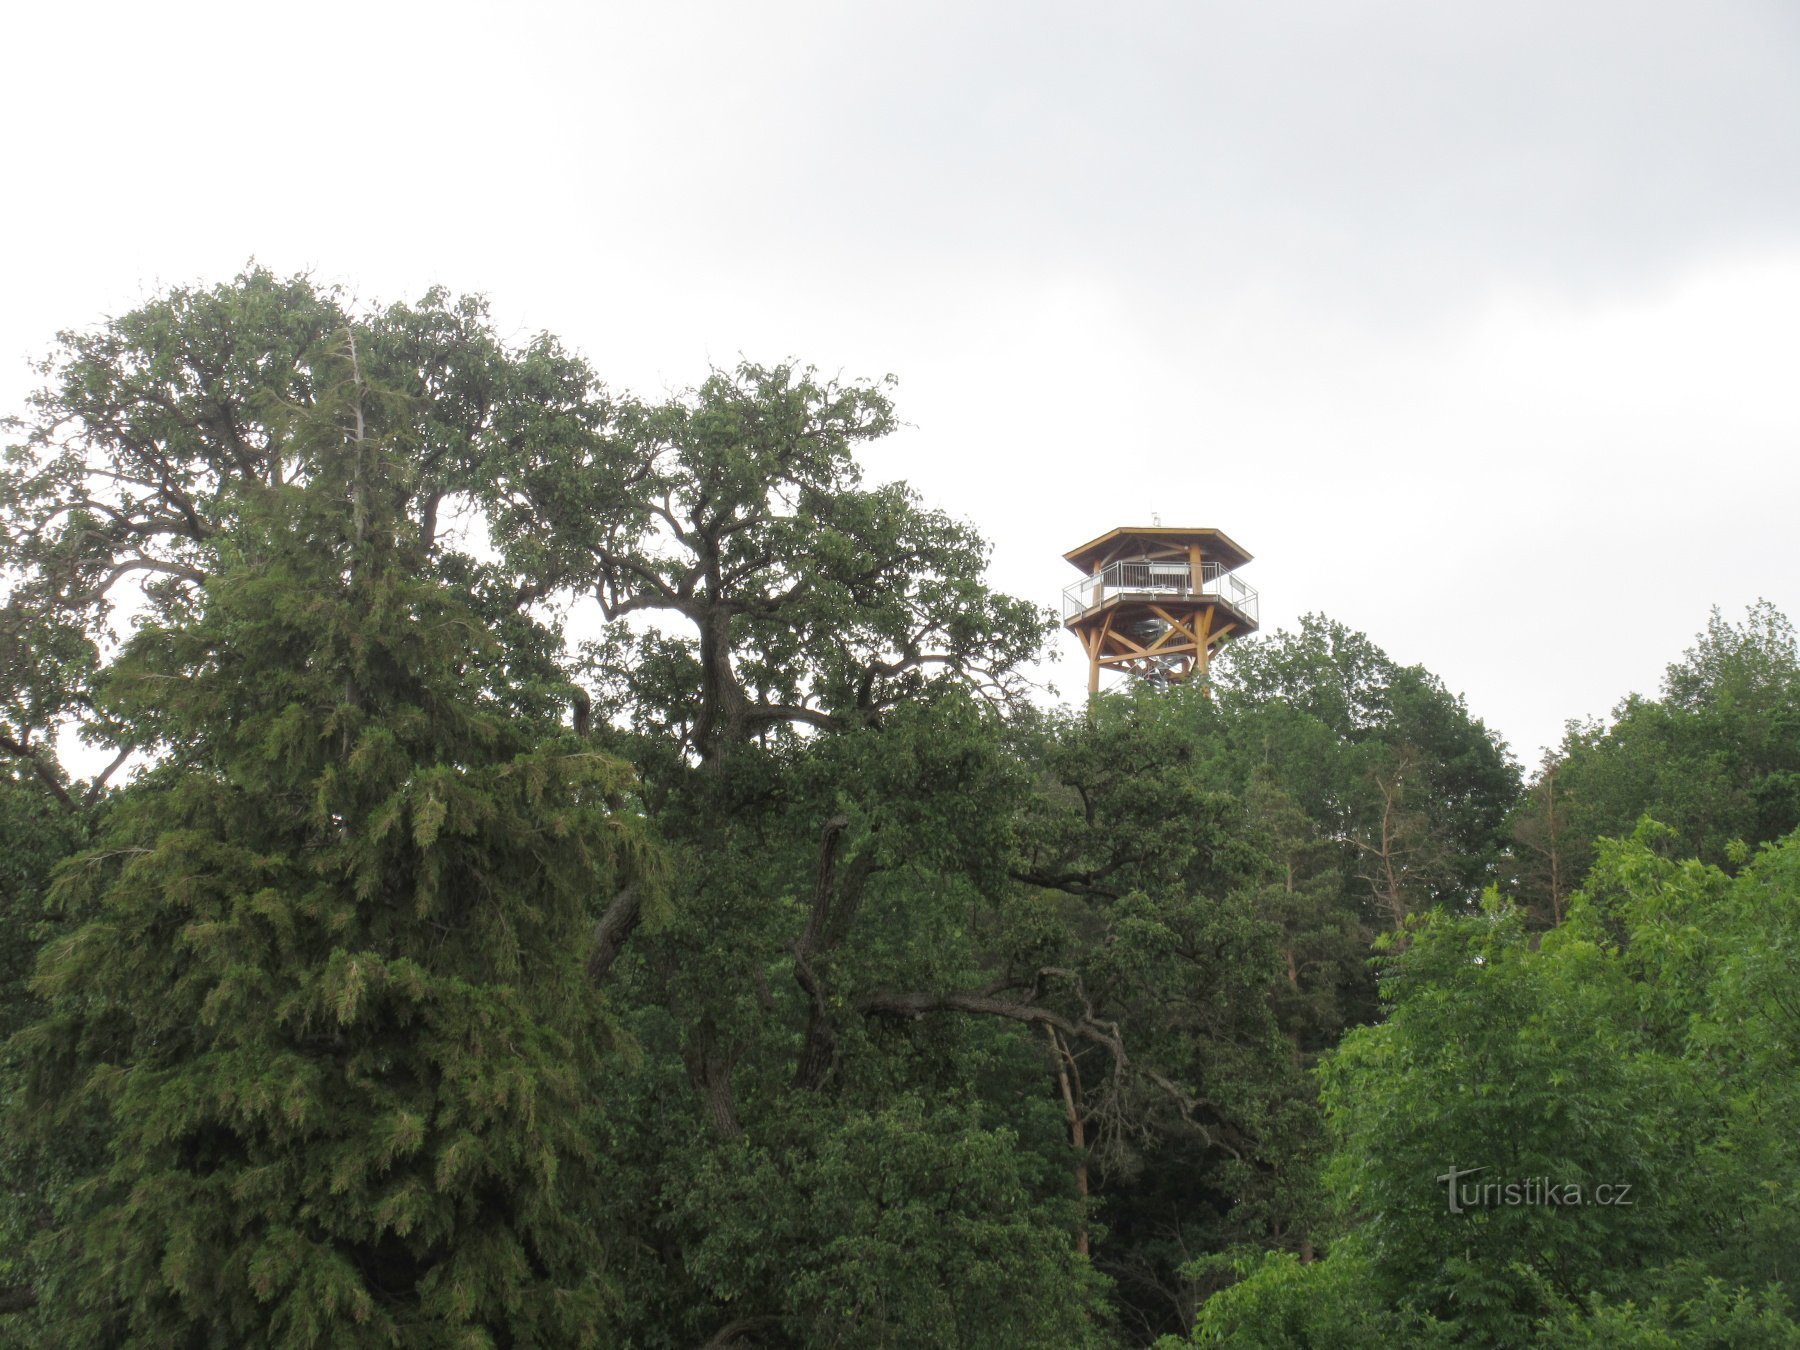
(730, 1336)
(1071, 883)
(1067, 1069)
(173, 569)
(824, 882)
(610, 933)
(657, 593)
(45, 771)
(757, 713)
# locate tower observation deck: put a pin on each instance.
(1155, 601)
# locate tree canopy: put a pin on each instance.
(565, 868)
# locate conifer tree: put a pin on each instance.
(324, 1009)
(36, 832)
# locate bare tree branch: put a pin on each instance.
(98, 786)
(130, 565)
(1104, 1034)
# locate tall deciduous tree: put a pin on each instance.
(883, 891)
(811, 676)
(123, 490)
(1570, 1138)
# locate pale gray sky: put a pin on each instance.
(1478, 325)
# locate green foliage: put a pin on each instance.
(909, 1223)
(786, 593)
(36, 833)
(812, 685)
(1509, 1064)
(870, 1005)
(1149, 886)
(1387, 760)
(1379, 794)
(1714, 1316)
(159, 437)
(324, 1013)
(1646, 1043)
(1278, 1302)
(767, 1103)
(1716, 758)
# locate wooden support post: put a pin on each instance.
(1196, 569)
(1094, 640)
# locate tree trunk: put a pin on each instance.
(709, 1070)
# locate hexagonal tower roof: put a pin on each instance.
(1153, 541)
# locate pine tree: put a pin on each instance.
(324, 1011)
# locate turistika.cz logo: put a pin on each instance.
(1466, 1195)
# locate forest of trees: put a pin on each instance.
(550, 868)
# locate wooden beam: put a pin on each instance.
(1132, 643)
(1175, 625)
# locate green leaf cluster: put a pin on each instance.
(320, 1013)
(1646, 1043)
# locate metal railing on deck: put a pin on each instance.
(1171, 578)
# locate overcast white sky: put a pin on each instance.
(1478, 325)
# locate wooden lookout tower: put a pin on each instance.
(1156, 600)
